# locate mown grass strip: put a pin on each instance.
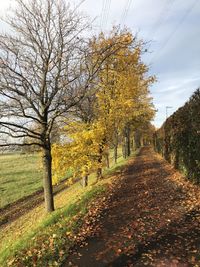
(47, 243)
(13, 176)
(44, 243)
(18, 182)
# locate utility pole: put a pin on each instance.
(167, 107)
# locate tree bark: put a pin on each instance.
(107, 160)
(116, 142)
(115, 153)
(123, 149)
(99, 170)
(47, 180)
(99, 174)
(127, 142)
(137, 138)
(85, 180)
(126, 146)
(133, 144)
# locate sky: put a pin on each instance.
(171, 29)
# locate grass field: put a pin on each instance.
(20, 233)
(20, 175)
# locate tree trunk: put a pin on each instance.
(126, 146)
(137, 138)
(99, 170)
(107, 161)
(123, 149)
(47, 180)
(127, 142)
(133, 143)
(99, 174)
(116, 142)
(85, 180)
(115, 153)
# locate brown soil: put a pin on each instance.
(152, 218)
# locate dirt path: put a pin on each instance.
(153, 219)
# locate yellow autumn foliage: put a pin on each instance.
(80, 154)
(121, 97)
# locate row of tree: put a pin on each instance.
(117, 105)
(178, 140)
(53, 77)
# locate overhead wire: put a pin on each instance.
(107, 12)
(79, 4)
(162, 17)
(125, 11)
(102, 13)
(176, 28)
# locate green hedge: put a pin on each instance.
(178, 140)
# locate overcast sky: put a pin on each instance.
(173, 26)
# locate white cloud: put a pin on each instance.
(175, 47)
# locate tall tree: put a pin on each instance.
(44, 73)
(123, 96)
(120, 98)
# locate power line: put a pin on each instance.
(102, 13)
(105, 13)
(162, 17)
(80, 3)
(176, 28)
(125, 11)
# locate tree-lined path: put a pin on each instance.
(152, 219)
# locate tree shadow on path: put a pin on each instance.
(146, 223)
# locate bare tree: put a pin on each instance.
(42, 75)
(45, 71)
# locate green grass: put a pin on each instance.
(20, 175)
(37, 241)
(31, 233)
